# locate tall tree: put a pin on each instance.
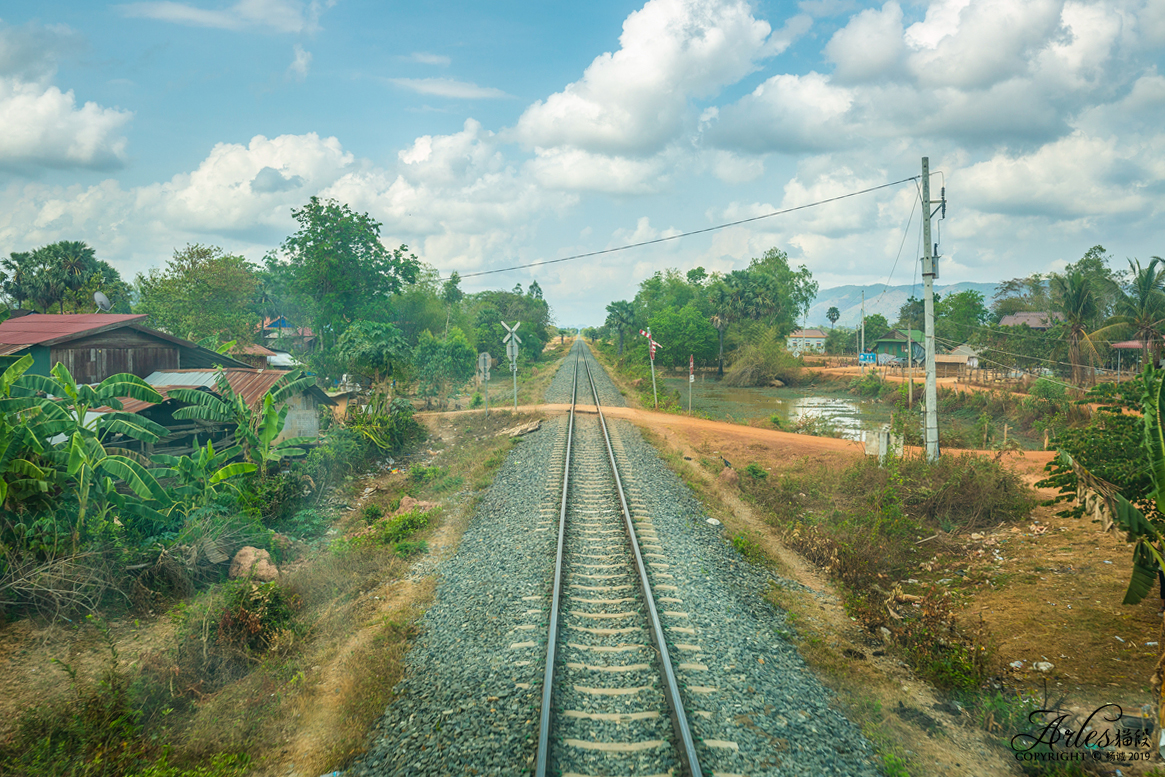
(1140, 309)
(451, 295)
(833, 314)
(1077, 300)
(791, 292)
(620, 317)
(202, 292)
(338, 262)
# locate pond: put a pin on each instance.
(849, 414)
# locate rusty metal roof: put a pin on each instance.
(250, 384)
(252, 350)
(16, 334)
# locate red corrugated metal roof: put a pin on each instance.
(252, 350)
(36, 328)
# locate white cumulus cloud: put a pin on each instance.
(448, 87)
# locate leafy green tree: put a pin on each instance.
(201, 292)
(683, 332)
(1030, 294)
(876, 327)
(534, 290)
(958, 316)
(451, 295)
(793, 290)
(621, 317)
(833, 314)
(372, 350)
(18, 276)
(697, 276)
(443, 365)
(338, 262)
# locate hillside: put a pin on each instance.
(880, 298)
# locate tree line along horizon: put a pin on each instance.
(738, 321)
(377, 313)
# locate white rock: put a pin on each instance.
(713, 522)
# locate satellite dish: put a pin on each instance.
(103, 303)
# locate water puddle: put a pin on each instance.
(850, 415)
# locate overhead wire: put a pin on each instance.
(905, 234)
(690, 233)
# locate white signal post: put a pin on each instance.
(691, 379)
(512, 342)
(483, 360)
(651, 346)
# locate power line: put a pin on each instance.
(905, 234)
(686, 234)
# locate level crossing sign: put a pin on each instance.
(512, 342)
(652, 344)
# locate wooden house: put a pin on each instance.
(95, 346)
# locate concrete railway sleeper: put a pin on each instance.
(611, 702)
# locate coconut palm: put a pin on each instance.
(1077, 299)
(620, 317)
(1140, 308)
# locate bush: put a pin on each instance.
(372, 513)
(755, 471)
(406, 549)
(1047, 389)
(763, 360)
(259, 617)
(476, 401)
(402, 526)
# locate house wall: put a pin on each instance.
(303, 418)
(93, 359)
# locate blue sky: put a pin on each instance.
(489, 134)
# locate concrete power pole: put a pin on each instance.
(928, 273)
(862, 339)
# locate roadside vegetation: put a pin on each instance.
(139, 650)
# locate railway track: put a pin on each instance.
(611, 701)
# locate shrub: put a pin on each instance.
(1047, 389)
(259, 617)
(306, 523)
(476, 401)
(406, 549)
(372, 513)
(755, 471)
(763, 360)
(402, 526)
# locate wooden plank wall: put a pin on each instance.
(93, 365)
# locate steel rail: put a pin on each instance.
(543, 756)
(687, 746)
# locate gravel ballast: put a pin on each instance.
(469, 703)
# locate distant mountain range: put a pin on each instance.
(880, 298)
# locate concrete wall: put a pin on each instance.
(303, 418)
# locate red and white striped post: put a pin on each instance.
(651, 346)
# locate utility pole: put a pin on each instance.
(862, 340)
(928, 274)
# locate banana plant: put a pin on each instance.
(17, 440)
(256, 429)
(68, 408)
(199, 476)
(89, 463)
(1116, 513)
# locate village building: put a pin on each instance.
(893, 343)
(94, 346)
(802, 340)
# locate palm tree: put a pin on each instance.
(1140, 309)
(76, 261)
(19, 265)
(1076, 297)
(833, 314)
(620, 316)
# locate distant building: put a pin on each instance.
(1035, 320)
(972, 355)
(893, 343)
(802, 340)
(94, 346)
